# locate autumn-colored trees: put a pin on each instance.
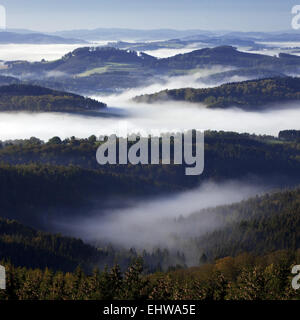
(250, 278)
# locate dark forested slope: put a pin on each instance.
(249, 95)
(258, 225)
(24, 97)
(24, 246)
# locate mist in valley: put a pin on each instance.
(159, 117)
(159, 222)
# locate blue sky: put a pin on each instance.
(244, 15)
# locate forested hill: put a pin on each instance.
(258, 225)
(289, 135)
(6, 80)
(24, 97)
(81, 60)
(252, 94)
(226, 56)
(25, 246)
(92, 58)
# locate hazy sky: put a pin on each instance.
(244, 15)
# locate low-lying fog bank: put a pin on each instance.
(170, 116)
(154, 223)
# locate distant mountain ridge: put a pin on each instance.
(121, 34)
(166, 34)
(36, 38)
